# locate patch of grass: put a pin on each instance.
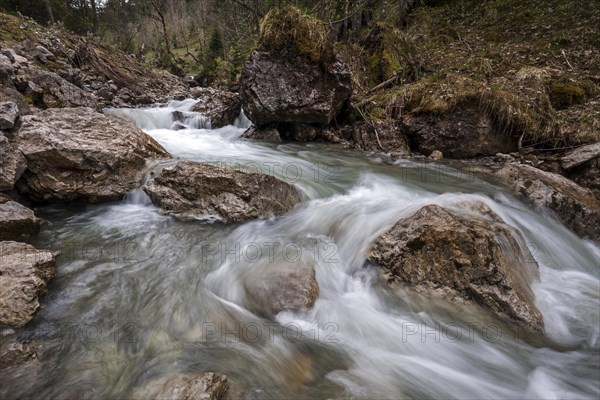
(289, 28)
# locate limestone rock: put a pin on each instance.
(17, 220)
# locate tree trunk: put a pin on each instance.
(49, 11)
(94, 15)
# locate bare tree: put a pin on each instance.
(49, 11)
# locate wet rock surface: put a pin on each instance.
(573, 205)
(280, 286)
(25, 273)
(483, 261)
(221, 107)
(17, 353)
(192, 190)
(16, 221)
(80, 154)
(206, 386)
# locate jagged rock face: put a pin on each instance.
(483, 261)
(280, 286)
(12, 164)
(221, 107)
(17, 220)
(80, 154)
(206, 386)
(191, 190)
(276, 89)
(574, 206)
(25, 273)
(461, 133)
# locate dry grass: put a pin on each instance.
(290, 26)
(534, 66)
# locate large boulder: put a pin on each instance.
(276, 90)
(480, 260)
(25, 273)
(80, 154)
(12, 164)
(191, 190)
(573, 205)
(220, 106)
(16, 220)
(279, 286)
(206, 386)
(450, 133)
(293, 76)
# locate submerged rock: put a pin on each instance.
(574, 206)
(206, 386)
(460, 133)
(192, 190)
(25, 273)
(80, 154)
(220, 106)
(483, 261)
(16, 354)
(17, 220)
(280, 286)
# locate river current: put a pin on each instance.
(139, 296)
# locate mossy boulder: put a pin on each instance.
(294, 76)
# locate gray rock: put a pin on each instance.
(379, 137)
(9, 112)
(80, 154)
(191, 190)
(221, 107)
(580, 156)
(206, 386)
(17, 220)
(461, 133)
(25, 273)
(435, 155)
(266, 134)
(48, 90)
(483, 261)
(12, 164)
(280, 285)
(277, 89)
(573, 205)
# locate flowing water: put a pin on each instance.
(140, 296)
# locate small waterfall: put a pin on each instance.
(242, 122)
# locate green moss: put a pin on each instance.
(289, 28)
(565, 95)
